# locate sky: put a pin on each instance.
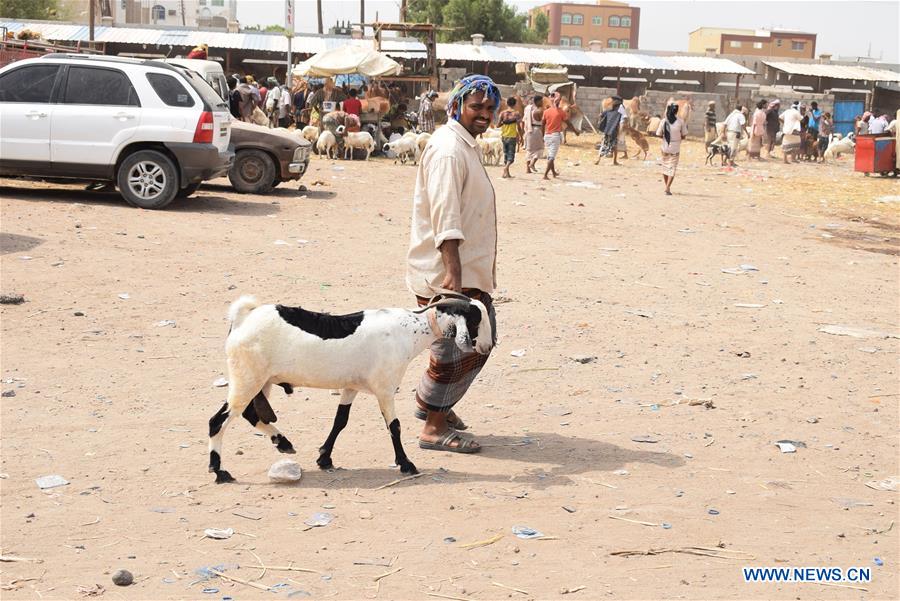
(843, 28)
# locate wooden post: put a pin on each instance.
(737, 90)
(91, 21)
(619, 82)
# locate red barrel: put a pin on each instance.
(875, 153)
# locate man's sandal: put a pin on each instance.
(465, 445)
(453, 420)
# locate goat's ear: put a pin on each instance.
(463, 340)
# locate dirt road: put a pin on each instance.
(664, 440)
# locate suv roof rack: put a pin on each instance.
(88, 57)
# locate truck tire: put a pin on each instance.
(252, 173)
(147, 179)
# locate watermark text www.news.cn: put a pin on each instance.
(807, 574)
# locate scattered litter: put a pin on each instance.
(246, 513)
(621, 472)
(526, 532)
(8, 394)
(868, 349)
(878, 561)
(483, 543)
(219, 533)
(848, 503)
(687, 230)
(713, 512)
(888, 484)
(812, 420)
(733, 271)
(790, 446)
(856, 332)
(518, 353)
(124, 296)
(449, 539)
(568, 591)
(644, 438)
(666, 526)
(639, 312)
(319, 519)
(777, 301)
(888, 198)
(365, 514)
(281, 243)
(584, 184)
(12, 299)
(220, 382)
(122, 578)
(165, 322)
(749, 305)
(703, 551)
(557, 411)
(748, 267)
(210, 590)
(284, 471)
(583, 358)
(569, 509)
(25, 258)
(609, 249)
(45, 482)
(615, 517)
(749, 376)
(162, 510)
(337, 168)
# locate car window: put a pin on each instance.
(170, 90)
(28, 84)
(203, 88)
(93, 85)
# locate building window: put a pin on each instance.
(158, 13)
(623, 43)
(563, 41)
(626, 21)
(614, 21)
(566, 19)
(734, 44)
(798, 45)
(575, 41)
(757, 45)
(778, 42)
(577, 19)
(172, 12)
(597, 20)
(217, 2)
(613, 43)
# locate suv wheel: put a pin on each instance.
(148, 179)
(253, 172)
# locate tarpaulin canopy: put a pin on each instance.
(348, 59)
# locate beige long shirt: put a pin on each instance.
(453, 200)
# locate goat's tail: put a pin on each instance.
(240, 308)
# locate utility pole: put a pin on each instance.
(403, 11)
(182, 14)
(91, 20)
(362, 11)
(319, 10)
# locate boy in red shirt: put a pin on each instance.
(352, 105)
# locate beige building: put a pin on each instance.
(612, 24)
(760, 42)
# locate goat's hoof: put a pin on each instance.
(324, 463)
(222, 477)
(284, 445)
(408, 468)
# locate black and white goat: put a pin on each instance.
(367, 351)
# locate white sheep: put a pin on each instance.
(356, 139)
(421, 142)
(367, 351)
(404, 148)
(327, 144)
(258, 117)
(310, 133)
(492, 132)
(838, 145)
(491, 150)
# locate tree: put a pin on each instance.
(540, 29)
(496, 19)
(28, 9)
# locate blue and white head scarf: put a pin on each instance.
(467, 85)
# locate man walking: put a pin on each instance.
(554, 120)
(453, 246)
(510, 134)
(534, 137)
(710, 128)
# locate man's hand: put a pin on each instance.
(452, 266)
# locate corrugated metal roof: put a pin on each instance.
(395, 47)
(856, 72)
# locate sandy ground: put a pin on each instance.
(598, 263)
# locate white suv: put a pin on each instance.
(155, 130)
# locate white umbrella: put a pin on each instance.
(348, 59)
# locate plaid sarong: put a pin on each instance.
(451, 371)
